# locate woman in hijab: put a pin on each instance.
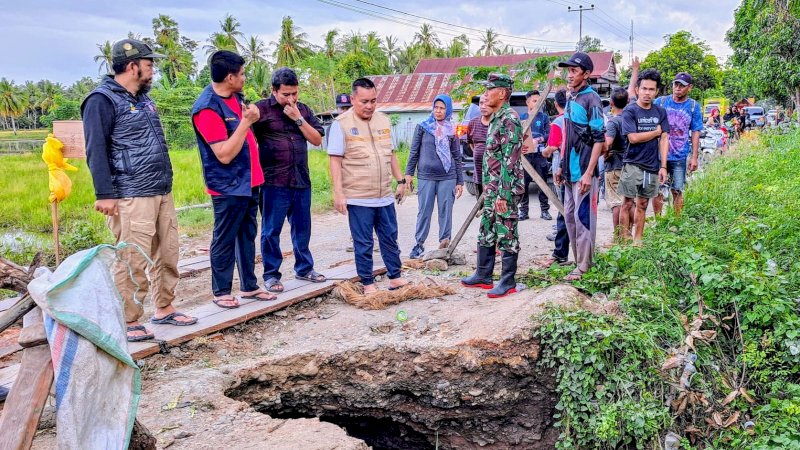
(436, 158)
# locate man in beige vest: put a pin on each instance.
(362, 164)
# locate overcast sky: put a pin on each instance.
(56, 40)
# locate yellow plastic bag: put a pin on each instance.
(59, 183)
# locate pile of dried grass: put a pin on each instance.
(354, 294)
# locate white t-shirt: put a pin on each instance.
(336, 147)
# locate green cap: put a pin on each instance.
(130, 49)
(498, 80)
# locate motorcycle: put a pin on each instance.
(710, 140)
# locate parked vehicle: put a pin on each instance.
(772, 116)
(517, 104)
(755, 117)
(713, 103)
(711, 139)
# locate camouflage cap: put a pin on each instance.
(130, 49)
(498, 80)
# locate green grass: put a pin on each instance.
(736, 251)
(24, 134)
(24, 206)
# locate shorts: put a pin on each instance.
(637, 182)
(613, 199)
(676, 175)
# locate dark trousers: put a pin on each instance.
(383, 220)
(541, 165)
(277, 205)
(234, 240)
(479, 189)
(561, 250)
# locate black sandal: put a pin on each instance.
(313, 276)
(273, 285)
(140, 337)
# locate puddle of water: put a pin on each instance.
(20, 242)
(20, 146)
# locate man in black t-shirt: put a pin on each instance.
(645, 162)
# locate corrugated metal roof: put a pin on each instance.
(411, 107)
(411, 88)
(602, 62)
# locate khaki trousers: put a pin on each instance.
(149, 223)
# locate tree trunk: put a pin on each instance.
(13, 125)
(796, 98)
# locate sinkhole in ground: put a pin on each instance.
(476, 395)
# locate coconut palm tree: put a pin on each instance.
(490, 44)
(260, 79)
(458, 47)
(219, 41)
(176, 60)
(407, 58)
(292, 45)
(390, 48)
(428, 40)
(12, 103)
(48, 93)
(330, 43)
(254, 51)
(230, 28)
(104, 57)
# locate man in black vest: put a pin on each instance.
(127, 155)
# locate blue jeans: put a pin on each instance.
(444, 194)
(277, 205)
(234, 240)
(363, 220)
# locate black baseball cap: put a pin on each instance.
(579, 59)
(683, 78)
(343, 100)
(130, 49)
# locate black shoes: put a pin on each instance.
(546, 215)
(523, 215)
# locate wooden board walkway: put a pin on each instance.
(213, 318)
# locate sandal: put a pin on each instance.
(274, 285)
(169, 319)
(139, 337)
(394, 288)
(313, 276)
(575, 275)
(221, 303)
(259, 295)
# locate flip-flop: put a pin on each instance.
(169, 319)
(218, 302)
(255, 296)
(274, 285)
(575, 275)
(313, 276)
(141, 337)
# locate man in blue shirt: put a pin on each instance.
(540, 130)
(685, 122)
(584, 141)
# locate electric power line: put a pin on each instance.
(415, 24)
(462, 26)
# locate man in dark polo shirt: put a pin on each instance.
(283, 132)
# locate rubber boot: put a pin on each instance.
(482, 278)
(507, 284)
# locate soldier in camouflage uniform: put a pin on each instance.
(503, 186)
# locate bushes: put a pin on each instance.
(735, 251)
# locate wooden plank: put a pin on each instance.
(25, 403)
(470, 217)
(9, 317)
(8, 375)
(542, 185)
(8, 303)
(213, 318)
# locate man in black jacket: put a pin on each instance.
(132, 174)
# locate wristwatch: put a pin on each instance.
(403, 181)
(299, 122)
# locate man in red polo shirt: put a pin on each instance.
(232, 173)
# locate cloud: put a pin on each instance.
(57, 39)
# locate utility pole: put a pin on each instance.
(580, 11)
(630, 50)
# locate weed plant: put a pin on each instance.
(735, 252)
